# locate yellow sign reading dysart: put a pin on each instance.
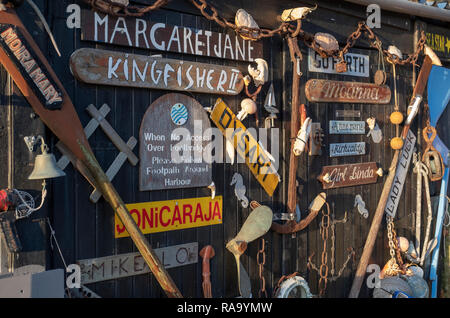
(246, 146)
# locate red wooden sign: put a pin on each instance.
(146, 34)
(348, 175)
(317, 90)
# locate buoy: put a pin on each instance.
(396, 143)
(396, 118)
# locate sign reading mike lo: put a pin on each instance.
(163, 216)
(146, 34)
(103, 67)
(131, 264)
(318, 90)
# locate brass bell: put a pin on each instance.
(45, 166)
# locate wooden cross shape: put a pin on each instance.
(126, 149)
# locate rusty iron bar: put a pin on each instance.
(76, 141)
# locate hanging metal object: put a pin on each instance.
(431, 157)
(45, 166)
(257, 224)
(326, 43)
(270, 107)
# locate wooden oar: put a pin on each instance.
(378, 216)
(65, 124)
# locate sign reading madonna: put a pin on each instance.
(171, 143)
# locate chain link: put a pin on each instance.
(396, 265)
(261, 263)
(120, 10)
(211, 13)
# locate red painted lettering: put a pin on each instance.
(176, 215)
(164, 224)
(198, 213)
(187, 211)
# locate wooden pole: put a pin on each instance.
(66, 125)
(378, 216)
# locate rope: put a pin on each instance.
(25, 209)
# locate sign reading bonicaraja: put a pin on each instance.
(103, 67)
(171, 143)
(146, 34)
(163, 216)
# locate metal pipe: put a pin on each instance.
(408, 7)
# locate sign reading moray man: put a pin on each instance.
(146, 34)
(130, 70)
(171, 143)
(317, 90)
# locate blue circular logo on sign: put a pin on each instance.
(179, 114)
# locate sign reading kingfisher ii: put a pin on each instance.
(171, 144)
(131, 264)
(400, 174)
(318, 90)
(348, 175)
(146, 34)
(130, 70)
(15, 46)
(163, 216)
(246, 146)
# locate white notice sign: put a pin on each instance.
(347, 127)
(357, 64)
(400, 175)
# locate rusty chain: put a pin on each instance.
(282, 279)
(396, 263)
(114, 8)
(285, 28)
(261, 263)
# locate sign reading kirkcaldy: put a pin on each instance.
(146, 34)
(103, 67)
(171, 143)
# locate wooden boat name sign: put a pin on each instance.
(349, 175)
(318, 90)
(103, 67)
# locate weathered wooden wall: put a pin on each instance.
(85, 230)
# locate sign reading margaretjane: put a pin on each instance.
(347, 149)
(103, 67)
(131, 264)
(146, 34)
(347, 127)
(400, 174)
(163, 216)
(172, 140)
(318, 90)
(357, 64)
(21, 53)
(246, 146)
(348, 175)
